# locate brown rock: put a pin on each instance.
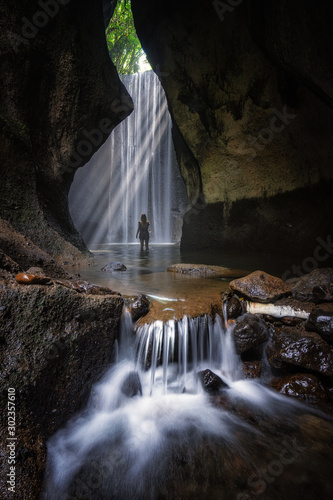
(139, 307)
(32, 279)
(289, 348)
(250, 331)
(260, 286)
(304, 386)
(315, 286)
(321, 322)
(234, 308)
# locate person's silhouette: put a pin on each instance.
(143, 231)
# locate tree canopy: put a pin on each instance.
(123, 44)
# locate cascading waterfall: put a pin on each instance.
(150, 430)
(135, 172)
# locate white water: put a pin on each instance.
(134, 172)
(123, 447)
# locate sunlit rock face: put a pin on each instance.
(61, 97)
(249, 86)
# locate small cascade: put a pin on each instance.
(150, 429)
(174, 352)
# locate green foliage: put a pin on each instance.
(123, 44)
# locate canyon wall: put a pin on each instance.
(61, 98)
(249, 86)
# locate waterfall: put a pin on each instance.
(150, 427)
(134, 172)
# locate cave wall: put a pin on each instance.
(61, 97)
(249, 86)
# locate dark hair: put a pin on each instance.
(143, 218)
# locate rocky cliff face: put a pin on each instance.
(249, 87)
(61, 97)
(55, 343)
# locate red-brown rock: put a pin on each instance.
(32, 279)
(304, 386)
(261, 287)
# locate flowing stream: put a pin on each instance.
(150, 430)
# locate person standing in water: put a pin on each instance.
(143, 231)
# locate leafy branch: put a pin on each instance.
(124, 46)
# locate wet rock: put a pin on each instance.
(291, 348)
(321, 322)
(204, 271)
(234, 308)
(114, 266)
(303, 386)
(260, 286)
(252, 369)
(250, 331)
(314, 285)
(211, 382)
(291, 320)
(132, 385)
(139, 307)
(323, 293)
(32, 279)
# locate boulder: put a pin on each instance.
(234, 308)
(132, 385)
(114, 266)
(314, 287)
(303, 386)
(55, 344)
(139, 307)
(211, 382)
(321, 322)
(250, 331)
(261, 287)
(295, 348)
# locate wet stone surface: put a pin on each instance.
(289, 348)
(250, 331)
(321, 322)
(303, 386)
(261, 287)
(132, 385)
(211, 382)
(314, 287)
(139, 307)
(114, 266)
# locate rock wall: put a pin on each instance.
(249, 86)
(61, 97)
(55, 343)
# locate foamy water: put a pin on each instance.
(124, 447)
